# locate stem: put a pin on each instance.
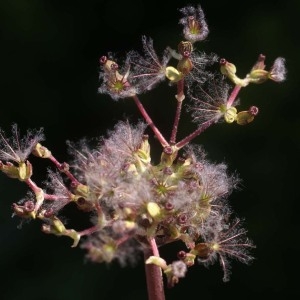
(180, 97)
(89, 231)
(149, 121)
(155, 285)
(233, 95)
(194, 134)
(208, 123)
(32, 185)
(65, 169)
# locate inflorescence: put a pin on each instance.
(136, 204)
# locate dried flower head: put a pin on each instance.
(147, 70)
(278, 70)
(17, 149)
(209, 101)
(114, 81)
(223, 240)
(194, 24)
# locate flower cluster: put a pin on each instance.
(136, 204)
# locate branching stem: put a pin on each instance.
(149, 121)
(65, 169)
(194, 134)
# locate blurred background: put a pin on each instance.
(49, 53)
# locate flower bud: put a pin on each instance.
(24, 211)
(185, 65)
(230, 113)
(158, 261)
(9, 169)
(143, 152)
(202, 250)
(81, 190)
(153, 210)
(258, 76)
(41, 151)
(189, 259)
(58, 226)
(228, 69)
(246, 117)
(185, 48)
(173, 74)
(24, 170)
(260, 64)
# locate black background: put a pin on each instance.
(49, 52)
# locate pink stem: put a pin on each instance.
(194, 134)
(208, 123)
(180, 98)
(155, 285)
(233, 95)
(149, 121)
(64, 168)
(33, 186)
(54, 197)
(89, 231)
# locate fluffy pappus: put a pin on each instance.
(223, 240)
(147, 70)
(207, 100)
(17, 149)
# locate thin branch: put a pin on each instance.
(180, 97)
(233, 95)
(149, 121)
(194, 134)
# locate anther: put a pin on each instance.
(114, 66)
(253, 110)
(182, 219)
(48, 213)
(81, 201)
(29, 206)
(223, 61)
(181, 254)
(103, 59)
(169, 206)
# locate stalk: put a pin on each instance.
(154, 278)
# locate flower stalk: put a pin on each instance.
(154, 276)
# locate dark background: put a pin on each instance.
(49, 52)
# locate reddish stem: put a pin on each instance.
(180, 97)
(155, 285)
(64, 168)
(194, 134)
(149, 121)
(208, 123)
(54, 197)
(33, 186)
(89, 231)
(233, 95)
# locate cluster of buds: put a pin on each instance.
(137, 205)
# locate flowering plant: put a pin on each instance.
(137, 205)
